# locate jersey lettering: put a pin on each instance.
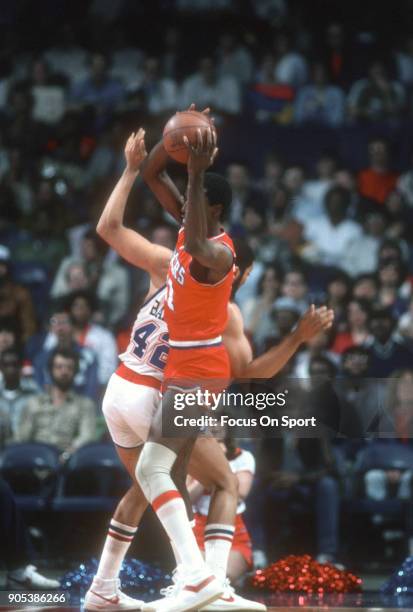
(148, 346)
(177, 270)
(170, 294)
(141, 338)
(157, 309)
(160, 354)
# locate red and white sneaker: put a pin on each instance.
(178, 577)
(106, 595)
(193, 592)
(231, 601)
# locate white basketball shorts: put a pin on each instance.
(128, 409)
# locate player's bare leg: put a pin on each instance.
(154, 474)
(104, 593)
(209, 465)
(237, 565)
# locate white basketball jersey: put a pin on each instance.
(148, 347)
(243, 462)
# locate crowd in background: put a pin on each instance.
(332, 234)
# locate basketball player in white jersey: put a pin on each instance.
(133, 395)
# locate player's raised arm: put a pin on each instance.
(127, 242)
(160, 183)
(272, 361)
(212, 255)
(158, 180)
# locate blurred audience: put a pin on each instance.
(330, 234)
(81, 306)
(319, 101)
(15, 300)
(98, 90)
(15, 392)
(290, 66)
(257, 310)
(61, 334)
(60, 416)
(206, 88)
(376, 97)
(155, 94)
(109, 280)
(377, 181)
(387, 352)
(356, 330)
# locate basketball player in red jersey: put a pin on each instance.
(199, 284)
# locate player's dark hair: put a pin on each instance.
(218, 191)
(244, 255)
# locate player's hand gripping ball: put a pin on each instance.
(182, 124)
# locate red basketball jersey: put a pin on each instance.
(196, 313)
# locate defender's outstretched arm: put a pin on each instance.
(272, 361)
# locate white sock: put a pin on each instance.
(153, 473)
(177, 556)
(218, 540)
(116, 546)
(171, 511)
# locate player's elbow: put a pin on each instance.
(149, 173)
(102, 229)
(106, 229)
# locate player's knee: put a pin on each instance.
(228, 482)
(143, 470)
(155, 460)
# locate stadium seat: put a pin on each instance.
(31, 470)
(93, 479)
(381, 455)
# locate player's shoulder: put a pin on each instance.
(226, 239)
(235, 319)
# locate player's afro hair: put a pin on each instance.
(218, 191)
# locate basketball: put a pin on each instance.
(183, 124)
